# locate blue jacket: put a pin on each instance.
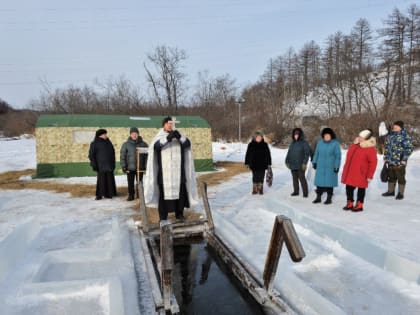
(398, 147)
(327, 157)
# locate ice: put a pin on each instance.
(15, 245)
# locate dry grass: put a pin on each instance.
(10, 180)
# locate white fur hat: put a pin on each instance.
(365, 134)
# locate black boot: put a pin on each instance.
(318, 198)
(319, 192)
(130, 197)
(329, 197)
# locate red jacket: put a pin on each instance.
(361, 160)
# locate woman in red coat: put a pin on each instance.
(359, 168)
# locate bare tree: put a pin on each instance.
(168, 78)
(413, 55)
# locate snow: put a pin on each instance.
(61, 254)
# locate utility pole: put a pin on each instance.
(239, 101)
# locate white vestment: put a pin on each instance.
(171, 171)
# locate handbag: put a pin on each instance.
(385, 173)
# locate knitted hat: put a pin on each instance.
(100, 132)
(365, 134)
(134, 129)
(399, 123)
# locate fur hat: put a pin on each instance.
(328, 131)
(399, 123)
(100, 132)
(134, 129)
(365, 134)
(258, 133)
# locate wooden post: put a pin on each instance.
(139, 150)
(294, 247)
(210, 222)
(167, 263)
(151, 275)
(283, 231)
(143, 211)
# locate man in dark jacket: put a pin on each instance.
(398, 147)
(102, 160)
(296, 160)
(258, 159)
(128, 159)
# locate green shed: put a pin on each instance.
(62, 141)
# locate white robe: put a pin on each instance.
(171, 162)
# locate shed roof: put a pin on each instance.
(69, 120)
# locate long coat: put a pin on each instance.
(128, 154)
(102, 155)
(360, 165)
(161, 148)
(299, 151)
(327, 157)
(258, 156)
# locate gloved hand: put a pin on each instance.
(336, 169)
(170, 136)
(314, 166)
(304, 167)
(95, 169)
(177, 134)
(288, 165)
(125, 170)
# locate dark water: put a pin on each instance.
(204, 286)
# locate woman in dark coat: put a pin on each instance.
(102, 160)
(326, 161)
(360, 166)
(258, 159)
(296, 159)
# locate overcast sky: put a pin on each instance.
(78, 41)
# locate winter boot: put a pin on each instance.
(254, 189)
(294, 193)
(130, 197)
(400, 194)
(359, 207)
(329, 200)
(391, 190)
(260, 188)
(329, 197)
(318, 197)
(349, 205)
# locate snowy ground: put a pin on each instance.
(64, 255)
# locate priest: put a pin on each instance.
(170, 178)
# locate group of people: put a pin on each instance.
(170, 180)
(359, 167)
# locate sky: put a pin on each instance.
(61, 43)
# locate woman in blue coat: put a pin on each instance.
(326, 161)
